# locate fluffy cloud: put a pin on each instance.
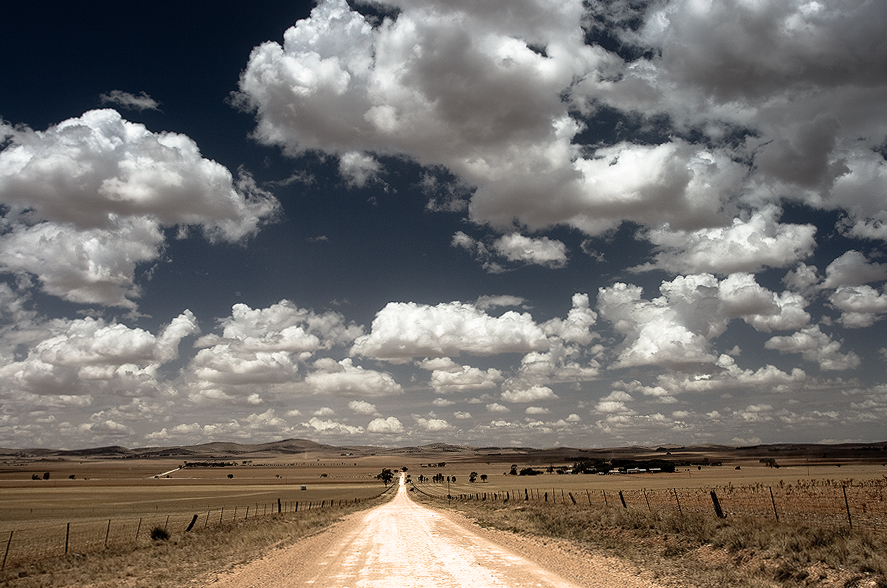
(746, 246)
(658, 331)
(322, 427)
(448, 85)
(358, 169)
(675, 328)
(391, 425)
(614, 403)
(264, 347)
(465, 379)
(350, 381)
(815, 346)
(861, 306)
(542, 251)
(561, 363)
(533, 394)
(95, 192)
(403, 330)
(780, 69)
(432, 425)
(282, 327)
(741, 296)
(729, 377)
(362, 407)
(577, 326)
(513, 247)
(853, 269)
(91, 355)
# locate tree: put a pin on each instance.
(472, 477)
(230, 476)
(386, 476)
(46, 476)
(483, 477)
(513, 471)
(442, 464)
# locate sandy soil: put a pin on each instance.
(404, 544)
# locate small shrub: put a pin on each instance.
(159, 534)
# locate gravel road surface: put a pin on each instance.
(404, 544)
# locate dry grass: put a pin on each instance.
(697, 549)
(184, 559)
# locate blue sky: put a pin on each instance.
(499, 223)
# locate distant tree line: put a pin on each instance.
(209, 464)
(597, 466)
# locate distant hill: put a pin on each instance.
(793, 452)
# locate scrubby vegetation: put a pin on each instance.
(184, 559)
(702, 550)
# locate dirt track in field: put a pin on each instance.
(404, 544)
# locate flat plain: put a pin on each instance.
(108, 498)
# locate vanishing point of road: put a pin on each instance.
(403, 544)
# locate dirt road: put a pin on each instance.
(404, 544)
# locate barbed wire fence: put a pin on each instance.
(831, 503)
(32, 543)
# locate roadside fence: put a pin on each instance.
(35, 543)
(833, 503)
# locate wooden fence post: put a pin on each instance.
(139, 528)
(647, 499)
(107, 532)
(622, 498)
(191, 526)
(847, 506)
(773, 502)
(67, 536)
(606, 503)
(717, 505)
(5, 555)
(278, 506)
(588, 496)
(571, 497)
(681, 512)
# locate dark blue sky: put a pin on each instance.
(499, 223)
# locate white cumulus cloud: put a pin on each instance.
(403, 330)
(95, 192)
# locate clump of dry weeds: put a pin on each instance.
(184, 559)
(702, 550)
